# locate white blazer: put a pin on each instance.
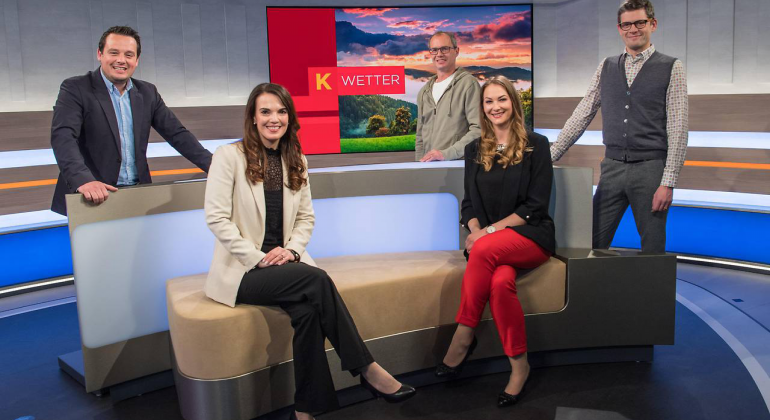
(235, 213)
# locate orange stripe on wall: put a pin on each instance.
(42, 182)
(25, 184)
(732, 165)
(176, 172)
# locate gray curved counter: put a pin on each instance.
(125, 249)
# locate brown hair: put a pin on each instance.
(517, 138)
(121, 30)
(631, 5)
(291, 150)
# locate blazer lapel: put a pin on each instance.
(137, 104)
(290, 204)
(103, 96)
(478, 205)
(258, 191)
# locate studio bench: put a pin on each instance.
(235, 363)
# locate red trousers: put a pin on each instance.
(491, 277)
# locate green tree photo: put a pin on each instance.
(375, 123)
(401, 122)
(526, 105)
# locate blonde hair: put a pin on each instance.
(516, 143)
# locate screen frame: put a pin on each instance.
(422, 6)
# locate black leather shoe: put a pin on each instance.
(446, 371)
(403, 394)
(505, 399)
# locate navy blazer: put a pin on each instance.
(526, 192)
(86, 141)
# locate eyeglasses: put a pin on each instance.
(444, 50)
(640, 24)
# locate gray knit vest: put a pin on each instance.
(634, 118)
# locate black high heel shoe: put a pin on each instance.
(446, 371)
(505, 399)
(293, 416)
(403, 394)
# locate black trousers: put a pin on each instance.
(317, 312)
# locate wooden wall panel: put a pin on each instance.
(743, 180)
(707, 113)
(32, 130)
(751, 113)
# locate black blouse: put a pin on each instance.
(273, 186)
(490, 185)
(525, 190)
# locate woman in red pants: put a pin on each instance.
(508, 175)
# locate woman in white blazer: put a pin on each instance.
(258, 206)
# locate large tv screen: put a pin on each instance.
(354, 73)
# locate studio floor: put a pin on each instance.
(718, 369)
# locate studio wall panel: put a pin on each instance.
(237, 50)
(609, 41)
(213, 44)
(54, 46)
(193, 50)
(13, 50)
(698, 42)
(119, 13)
(763, 47)
(215, 57)
(671, 36)
(721, 31)
(169, 51)
(576, 48)
(5, 74)
(544, 65)
(96, 22)
(746, 40)
(256, 29)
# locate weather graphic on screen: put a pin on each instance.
(355, 73)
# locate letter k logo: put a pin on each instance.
(321, 81)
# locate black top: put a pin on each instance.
(490, 184)
(526, 191)
(273, 186)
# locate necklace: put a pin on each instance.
(500, 147)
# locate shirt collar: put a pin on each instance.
(644, 55)
(111, 86)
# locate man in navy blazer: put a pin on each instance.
(101, 125)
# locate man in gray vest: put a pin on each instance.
(643, 96)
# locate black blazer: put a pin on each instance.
(526, 192)
(86, 141)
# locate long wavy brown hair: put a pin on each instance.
(254, 149)
(516, 143)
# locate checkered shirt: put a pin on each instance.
(676, 113)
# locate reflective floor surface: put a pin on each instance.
(716, 370)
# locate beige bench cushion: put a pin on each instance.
(385, 293)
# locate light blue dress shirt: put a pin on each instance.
(122, 106)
